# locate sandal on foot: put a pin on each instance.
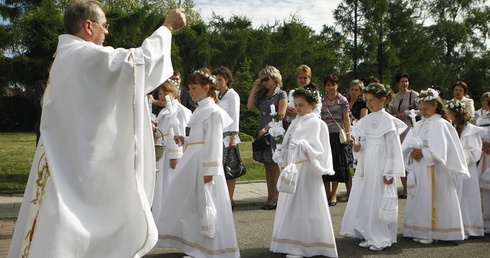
(271, 206)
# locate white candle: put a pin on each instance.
(169, 104)
(412, 116)
(356, 138)
(273, 109)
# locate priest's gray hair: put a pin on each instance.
(78, 12)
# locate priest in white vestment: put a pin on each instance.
(433, 157)
(91, 182)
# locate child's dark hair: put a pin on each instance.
(311, 96)
(203, 77)
(225, 73)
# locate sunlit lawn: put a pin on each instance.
(17, 151)
(16, 154)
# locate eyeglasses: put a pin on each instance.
(265, 79)
(105, 25)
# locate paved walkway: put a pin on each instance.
(247, 193)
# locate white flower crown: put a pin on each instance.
(431, 95)
(375, 90)
(209, 77)
(173, 81)
(455, 104)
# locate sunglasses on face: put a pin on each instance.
(265, 79)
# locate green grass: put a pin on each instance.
(17, 151)
(16, 154)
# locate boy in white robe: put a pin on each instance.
(303, 226)
(199, 183)
(433, 154)
(380, 160)
(91, 182)
(468, 189)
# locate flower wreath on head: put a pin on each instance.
(432, 94)
(209, 77)
(310, 93)
(375, 90)
(174, 82)
(455, 104)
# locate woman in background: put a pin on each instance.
(400, 106)
(335, 112)
(229, 100)
(262, 98)
(358, 110)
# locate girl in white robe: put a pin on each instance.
(199, 170)
(468, 189)
(172, 152)
(380, 160)
(482, 119)
(302, 226)
(432, 156)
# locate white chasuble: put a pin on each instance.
(98, 144)
(432, 210)
(184, 200)
(303, 225)
(380, 156)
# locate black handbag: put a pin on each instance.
(232, 164)
(261, 143)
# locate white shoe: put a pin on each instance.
(293, 256)
(416, 240)
(426, 241)
(376, 249)
(364, 244)
(187, 256)
(466, 237)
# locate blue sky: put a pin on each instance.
(314, 13)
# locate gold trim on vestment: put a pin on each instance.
(301, 243)
(473, 226)
(429, 229)
(198, 246)
(192, 143)
(484, 159)
(212, 164)
(433, 181)
(43, 175)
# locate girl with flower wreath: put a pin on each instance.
(380, 160)
(302, 225)
(199, 220)
(468, 189)
(433, 155)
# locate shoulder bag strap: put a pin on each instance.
(334, 118)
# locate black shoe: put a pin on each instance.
(272, 206)
(233, 205)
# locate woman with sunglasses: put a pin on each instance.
(262, 98)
